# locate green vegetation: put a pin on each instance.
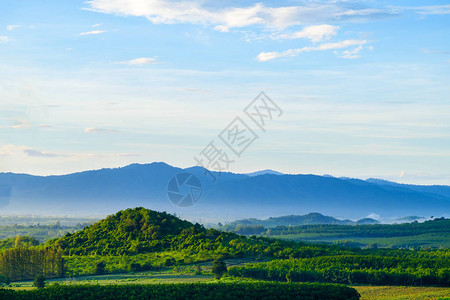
(18, 241)
(41, 233)
(408, 269)
(402, 293)
(143, 246)
(39, 281)
(219, 267)
(235, 290)
(26, 263)
(429, 234)
(144, 232)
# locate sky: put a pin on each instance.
(363, 85)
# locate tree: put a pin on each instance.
(289, 277)
(39, 281)
(198, 270)
(100, 268)
(219, 267)
(4, 280)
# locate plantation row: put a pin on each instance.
(352, 269)
(25, 263)
(213, 291)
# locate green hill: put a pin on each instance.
(140, 230)
(129, 231)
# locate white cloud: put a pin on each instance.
(21, 124)
(222, 28)
(266, 56)
(97, 25)
(171, 12)
(138, 61)
(12, 27)
(315, 33)
(432, 9)
(351, 53)
(9, 150)
(92, 32)
(4, 39)
(99, 130)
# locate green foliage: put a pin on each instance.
(38, 232)
(18, 241)
(409, 269)
(25, 263)
(39, 281)
(140, 239)
(213, 291)
(198, 270)
(219, 267)
(130, 231)
(427, 234)
(4, 280)
(139, 230)
(100, 268)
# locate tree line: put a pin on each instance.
(26, 263)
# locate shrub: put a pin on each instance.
(39, 281)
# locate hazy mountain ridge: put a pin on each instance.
(290, 220)
(230, 196)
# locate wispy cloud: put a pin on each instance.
(9, 150)
(12, 27)
(432, 9)
(194, 12)
(138, 61)
(99, 130)
(97, 25)
(266, 56)
(21, 124)
(350, 54)
(315, 33)
(36, 153)
(92, 32)
(4, 39)
(17, 151)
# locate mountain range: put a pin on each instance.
(296, 220)
(224, 196)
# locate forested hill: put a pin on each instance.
(139, 230)
(130, 230)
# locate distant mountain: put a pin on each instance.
(441, 190)
(224, 196)
(367, 221)
(408, 219)
(291, 220)
(264, 172)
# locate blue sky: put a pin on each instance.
(364, 85)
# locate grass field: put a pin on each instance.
(402, 293)
(137, 278)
